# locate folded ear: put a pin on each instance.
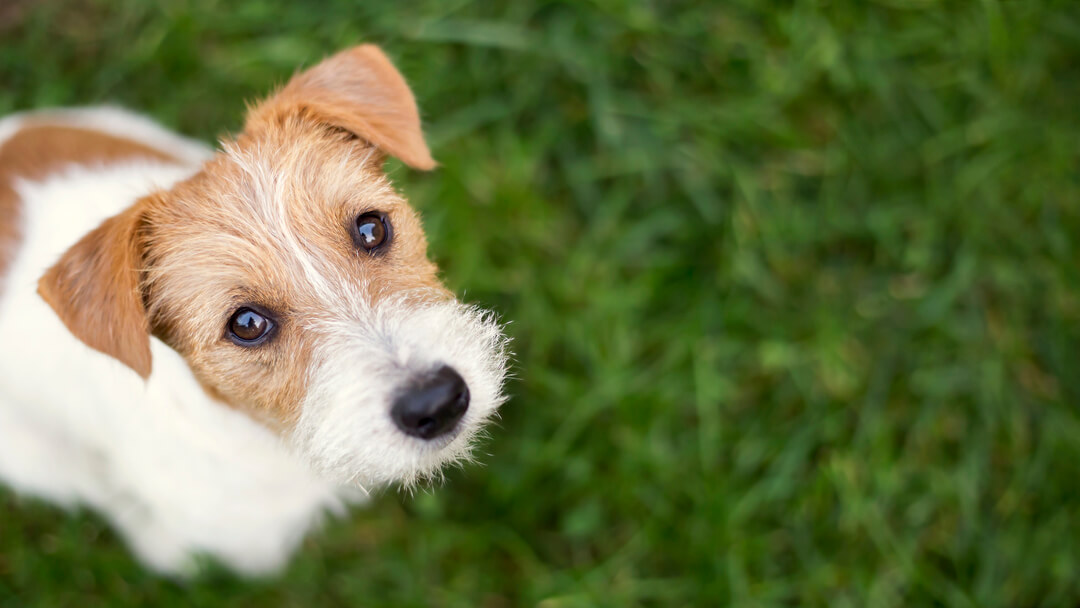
(94, 289)
(358, 90)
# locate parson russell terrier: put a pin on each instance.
(214, 348)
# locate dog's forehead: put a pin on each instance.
(296, 185)
(268, 221)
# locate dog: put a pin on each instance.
(214, 349)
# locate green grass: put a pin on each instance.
(794, 291)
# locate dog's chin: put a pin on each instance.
(388, 456)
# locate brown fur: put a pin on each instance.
(235, 252)
(38, 149)
(358, 90)
(266, 223)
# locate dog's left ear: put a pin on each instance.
(94, 289)
(357, 90)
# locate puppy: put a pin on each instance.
(214, 348)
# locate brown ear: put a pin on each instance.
(358, 90)
(94, 289)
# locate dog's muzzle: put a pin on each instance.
(433, 406)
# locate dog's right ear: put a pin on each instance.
(94, 289)
(357, 90)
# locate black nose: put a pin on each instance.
(433, 406)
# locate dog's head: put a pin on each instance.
(295, 282)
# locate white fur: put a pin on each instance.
(177, 472)
(343, 429)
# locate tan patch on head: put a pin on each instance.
(267, 224)
(38, 149)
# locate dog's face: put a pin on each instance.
(295, 282)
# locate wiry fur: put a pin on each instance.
(223, 449)
(396, 341)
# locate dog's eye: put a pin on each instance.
(372, 231)
(247, 326)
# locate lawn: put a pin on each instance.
(794, 289)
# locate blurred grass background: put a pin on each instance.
(794, 287)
